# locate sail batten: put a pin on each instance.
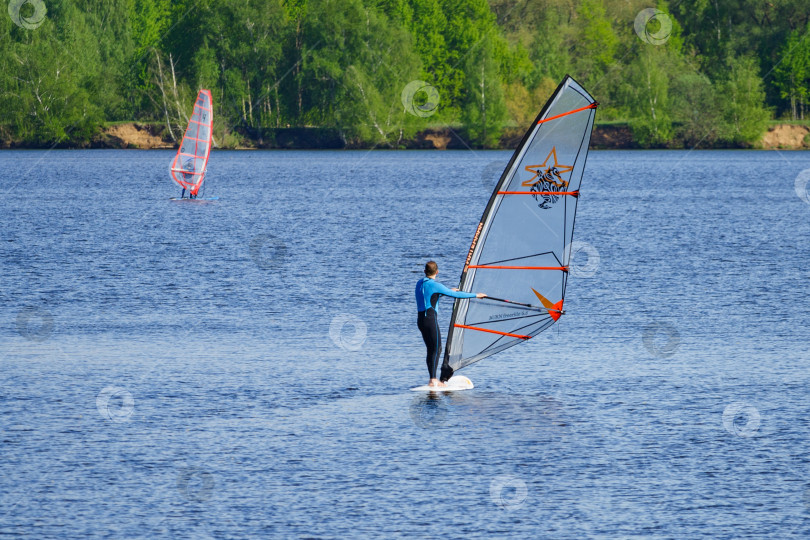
(521, 249)
(189, 165)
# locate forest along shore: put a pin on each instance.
(143, 136)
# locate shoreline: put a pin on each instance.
(150, 136)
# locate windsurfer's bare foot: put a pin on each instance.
(436, 382)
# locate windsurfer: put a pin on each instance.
(428, 291)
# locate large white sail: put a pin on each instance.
(521, 250)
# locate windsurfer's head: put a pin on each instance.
(431, 268)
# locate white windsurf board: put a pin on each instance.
(456, 383)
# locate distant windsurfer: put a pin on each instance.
(428, 291)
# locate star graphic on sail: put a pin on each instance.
(548, 173)
(547, 180)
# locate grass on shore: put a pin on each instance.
(805, 123)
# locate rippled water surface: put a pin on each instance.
(241, 368)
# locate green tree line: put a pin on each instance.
(695, 72)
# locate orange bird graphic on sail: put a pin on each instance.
(554, 310)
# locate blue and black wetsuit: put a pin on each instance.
(428, 291)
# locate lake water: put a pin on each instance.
(241, 368)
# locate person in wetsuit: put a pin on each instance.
(428, 291)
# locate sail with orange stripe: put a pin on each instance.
(522, 248)
(188, 167)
